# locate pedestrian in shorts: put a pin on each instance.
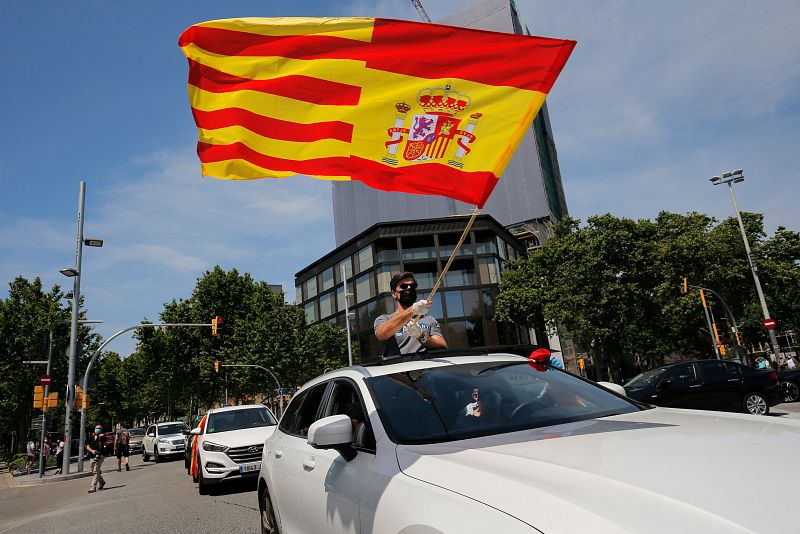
(121, 449)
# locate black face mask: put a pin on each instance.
(407, 297)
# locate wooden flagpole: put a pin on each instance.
(464, 235)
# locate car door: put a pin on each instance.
(720, 389)
(332, 487)
(679, 387)
(285, 457)
(149, 439)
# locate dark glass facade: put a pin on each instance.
(464, 303)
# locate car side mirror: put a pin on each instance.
(185, 431)
(616, 388)
(334, 432)
(194, 432)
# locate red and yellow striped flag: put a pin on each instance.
(400, 106)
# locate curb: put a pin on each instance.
(36, 481)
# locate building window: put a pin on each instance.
(327, 279)
(488, 302)
(367, 315)
(425, 273)
(418, 248)
(311, 312)
(453, 303)
(364, 259)
(326, 305)
(501, 248)
(456, 334)
(365, 287)
(298, 299)
(310, 287)
(386, 250)
(485, 243)
(448, 242)
(461, 273)
(474, 329)
(472, 303)
(489, 270)
(384, 274)
(436, 307)
(348, 269)
(507, 334)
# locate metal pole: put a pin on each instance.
(347, 318)
(89, 368)
(73, 338)
(44, 412)
(708, 320)
(754, 269)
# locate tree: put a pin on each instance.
(613, 285)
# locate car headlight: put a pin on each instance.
(208, 446)
(163, 440)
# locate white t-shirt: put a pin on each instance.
(31, 447)
(60, 447)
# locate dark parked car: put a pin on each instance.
(790, 384)
(708, 385)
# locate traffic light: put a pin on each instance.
(217, 366)
(81, 399)
(685, 284)
(216, 326)
(38, 396)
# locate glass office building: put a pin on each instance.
(464, 303)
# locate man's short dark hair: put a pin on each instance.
(396, 279)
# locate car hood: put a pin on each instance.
(654, 471)
(241, 438)
(170, 436)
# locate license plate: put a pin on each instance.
(249, 468)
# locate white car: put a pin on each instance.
(162, 440)
(496, 443)
(230, 444)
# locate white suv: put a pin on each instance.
(230, 444)
(498, 443)
(163, 439)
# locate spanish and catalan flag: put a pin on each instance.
(400, 106)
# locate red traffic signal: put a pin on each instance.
(216, 326)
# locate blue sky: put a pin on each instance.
(657, 97)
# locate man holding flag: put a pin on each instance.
(401, 332)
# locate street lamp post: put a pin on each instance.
(730, 178)
(347, 317)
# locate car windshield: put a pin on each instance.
(136, 432)
(164, 430)
(644, 379)
(239, 419)
(468, 400)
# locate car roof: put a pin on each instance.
(170, 423)
(416, 365)
(234, 408)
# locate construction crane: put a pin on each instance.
(421, 10)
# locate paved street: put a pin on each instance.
(149, 498)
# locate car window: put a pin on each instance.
(648, 378)
(465, 400)
(176, 428)
(136, 432)
(682, 376)
(733, 370)
(151, 431)
(345, 400)
(302, 411)
(239, 419)
(713, 371)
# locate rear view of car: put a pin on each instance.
(231, 443)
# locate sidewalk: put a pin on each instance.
(33, 479)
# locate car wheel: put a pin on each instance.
(791, 391)
(756, 404)
(269, 524)
(202, 487)
(145, 456)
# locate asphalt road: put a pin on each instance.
(149, 498)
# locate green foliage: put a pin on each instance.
(613, 285)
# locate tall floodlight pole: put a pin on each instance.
(73, 334)
(730, 178)
(347, 317)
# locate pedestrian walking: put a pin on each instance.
(59, 456)
(30, 449)
(95, 448)
(121, 449)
